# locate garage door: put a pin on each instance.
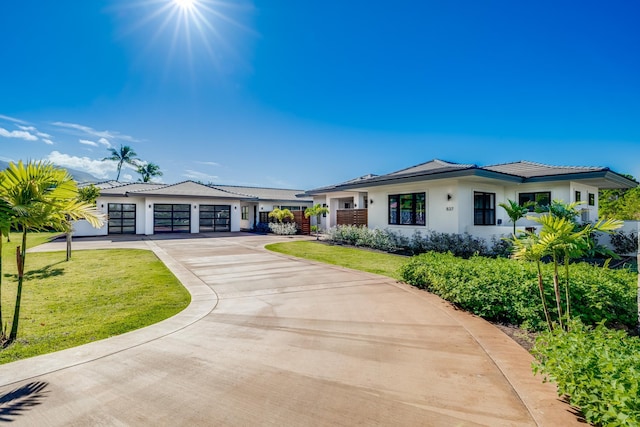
(215, 218)
(122, 218)
(171, 218)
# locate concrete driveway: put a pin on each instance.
(272, 340)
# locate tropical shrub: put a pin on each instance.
(283, 228)
(624, 243)
(597, 369)
(462, 245)
(506, 290)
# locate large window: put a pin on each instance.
(245, 212)
(407, 209)
(168, 218)
(122, 218)
(484, 208)
(542, 198)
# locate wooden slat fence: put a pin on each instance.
(352, 217)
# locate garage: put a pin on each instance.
(171, 218)
(215, 218)
(122, 218)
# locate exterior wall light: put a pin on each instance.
(370, 201)
(449, 196)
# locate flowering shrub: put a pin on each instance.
(283, 228)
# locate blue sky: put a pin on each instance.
(304, 94)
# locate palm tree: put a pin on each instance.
(316, 211)
(5, 227)
(515, 211)
(281, 214)
(124, 155)
(40, 196)
(148, 171)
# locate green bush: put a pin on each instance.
(506, 290)
(598, 369)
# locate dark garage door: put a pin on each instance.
(122, 218)
(215, 218)
(171, 218)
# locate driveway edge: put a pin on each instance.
(203, 301)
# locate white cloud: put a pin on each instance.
(18, 134)
(47, 141)
(127, 177)
(87, 142)
(208, 163)
(97, 168)
(11, 119)
(105, 142)
(199, 176)
(28, 128)
(107, 134)
(35, 130)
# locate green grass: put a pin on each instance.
(98, 294)
(357, 259)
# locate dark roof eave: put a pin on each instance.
(619, 180)
(386, 180)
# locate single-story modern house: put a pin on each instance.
(461, 198)
(186, 207)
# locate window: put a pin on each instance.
(542, 198)
(245, 212)
(407, 209)
(291, 208)
(578, 196)
(592, 199)
(484, 208)
(347, 205)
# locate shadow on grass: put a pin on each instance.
(42, 273)
(16, 402)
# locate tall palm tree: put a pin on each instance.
(124, 155)
(148, 171)
(40, 196)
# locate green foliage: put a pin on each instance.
(349, 257)
(148, 170)
(281, 214)
(98, 294)
(462, 245)
(598, 369)
(515, 211)
(507, 290)
(89, 194)
(124, 154)
(316, 210)
(620, 204)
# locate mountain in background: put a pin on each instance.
(79, 176)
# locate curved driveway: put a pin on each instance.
(273, 340)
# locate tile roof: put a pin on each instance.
(527, 169)
(430, 167)
(123, 189)
(263, 193)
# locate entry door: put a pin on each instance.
(171, 218)
(215, 218)
(122, 218)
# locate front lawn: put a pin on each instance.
(357, 259)
(98, 294)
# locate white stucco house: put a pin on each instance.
(186, 207)
(461, 198)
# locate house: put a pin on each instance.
(461, 198)
(187, 207)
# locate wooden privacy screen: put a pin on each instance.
(352, 217)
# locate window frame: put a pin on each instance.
(577, 196)
(489, 212)
(244, 213)
(592, 199)
(535, 199)
(415, 210)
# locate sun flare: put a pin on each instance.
(185, 4)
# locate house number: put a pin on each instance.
(449, 208)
